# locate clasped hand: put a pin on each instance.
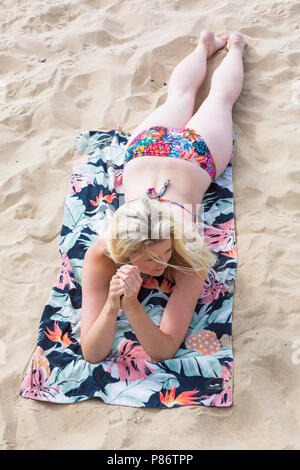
(131, 282)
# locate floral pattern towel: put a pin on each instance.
(201, 371)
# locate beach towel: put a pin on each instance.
(201, 371)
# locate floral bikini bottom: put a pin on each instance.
(183, 143)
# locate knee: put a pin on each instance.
(184, 101)
(219, 101)
(181, 96)
(226, 95)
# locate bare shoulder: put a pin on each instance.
(97, 249)
(98, 246)
(188, 281)
(98, 263)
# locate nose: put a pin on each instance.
(160, 267)
(162, 264)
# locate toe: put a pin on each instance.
(221, 40)
(236, 40)
(223, 35)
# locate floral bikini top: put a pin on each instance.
(152, 194)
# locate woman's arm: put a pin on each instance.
(161, 343)
(98, 314)
(156, 343)
(97, 341)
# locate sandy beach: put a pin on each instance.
(74, 65)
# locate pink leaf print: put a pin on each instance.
(65, 277)
(220, 237)
(38, 389)
(33, 384)
(118, 179)
(78, 182)
(132, 362)
(211, 288)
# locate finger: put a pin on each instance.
(135, 275)
(125, 266)
(117, 284)
(136, 278)
(130, 270)
(114, 283)
(124, 271)
(120, 291)
(125, 287)
(135, 283)
(125, 274)
(124, 282)
(130, 282)
(122, 275)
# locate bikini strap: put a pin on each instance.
(152, 194)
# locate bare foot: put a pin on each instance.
(236, 40)
(212, 42)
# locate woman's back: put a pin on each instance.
(188, 183)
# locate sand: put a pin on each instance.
(68, 66)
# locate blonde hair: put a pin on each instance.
(139, 224)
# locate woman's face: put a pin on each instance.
(161, 250)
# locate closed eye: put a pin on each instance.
(165, 253)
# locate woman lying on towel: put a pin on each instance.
(145, 236)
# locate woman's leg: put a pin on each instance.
(184, 82)
(213, 120)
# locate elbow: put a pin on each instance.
(88, 356)
(169, 352)
(84, 351)
(157, 360)
(89, 359)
